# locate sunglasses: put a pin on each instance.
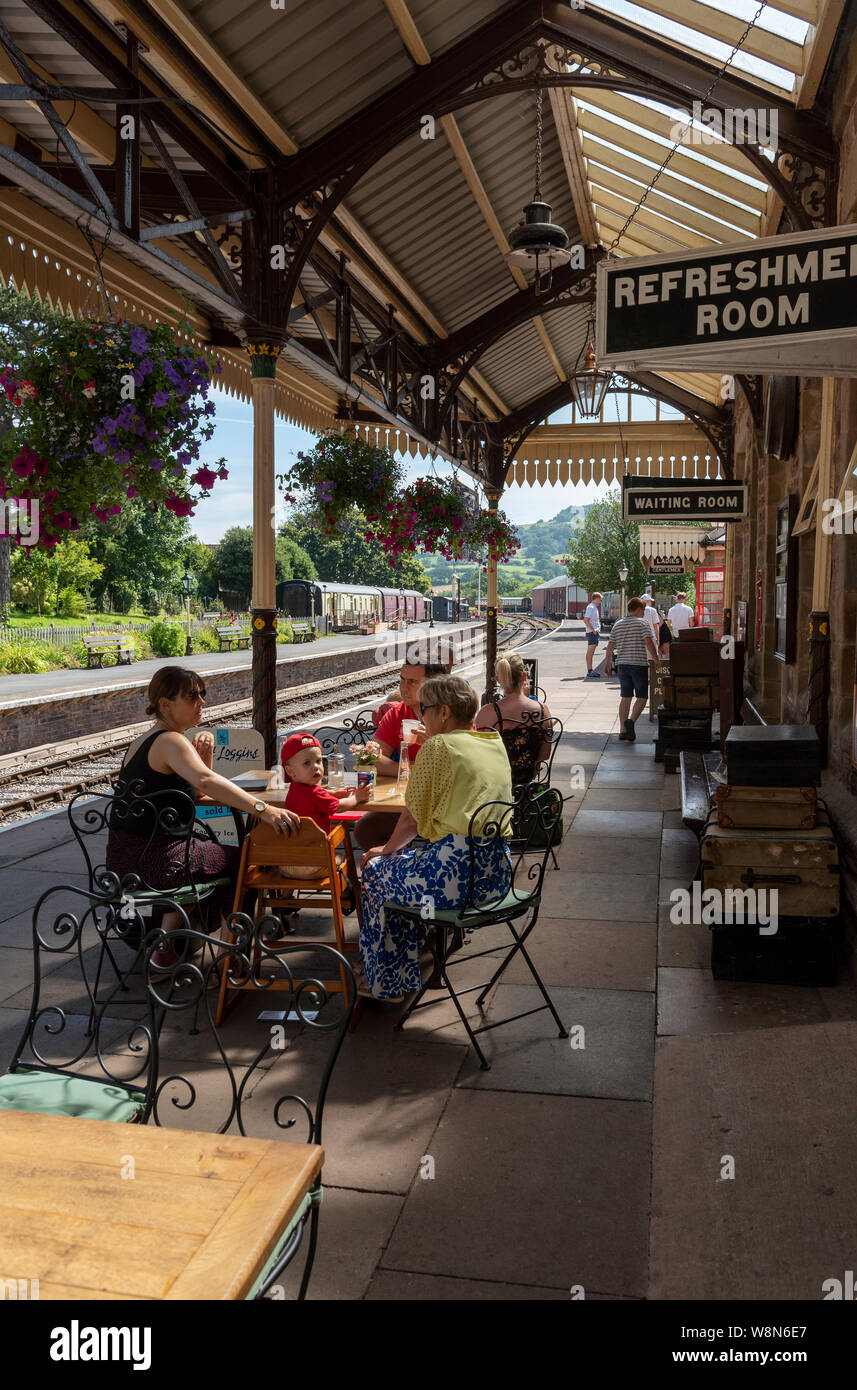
(195, 695)
(423, 708)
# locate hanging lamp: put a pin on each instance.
(537, 243)
(588, 383)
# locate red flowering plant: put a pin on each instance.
(103, 411)
(342, 471)
(440, 517)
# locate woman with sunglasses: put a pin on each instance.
(458, 771)
(162, 760)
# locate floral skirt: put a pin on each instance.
(432, 877)
(160, 862)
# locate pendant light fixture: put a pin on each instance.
(589, 384)
(537, 243)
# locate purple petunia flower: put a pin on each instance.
(109, 426)
(123, 456)
(210, 408)
(139, 341)
(99, 444)
(183, 458)
(146, 366)
(160, 399)
(156, 463)
(177, 472)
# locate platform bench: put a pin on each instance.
(302, 632)
(99, 645)
(232, 637)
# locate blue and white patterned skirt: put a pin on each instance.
(432, 877)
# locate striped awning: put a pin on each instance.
(673, 543)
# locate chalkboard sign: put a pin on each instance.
(532, 665)
(657, 671)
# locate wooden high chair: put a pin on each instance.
(264, 851)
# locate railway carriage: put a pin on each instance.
(348, 606)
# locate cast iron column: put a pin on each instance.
(263, 358)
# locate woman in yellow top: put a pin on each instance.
(458, 770)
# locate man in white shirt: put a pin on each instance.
(652, 617)
(680, 616)
(592, 623)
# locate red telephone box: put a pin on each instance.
(710, 590)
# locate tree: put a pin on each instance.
(605, 543)
(233, 561)
(142, 553)
(348, 558)
(40, 576)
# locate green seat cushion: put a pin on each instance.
(512, 905)
(54, 1093)
(312, 1199)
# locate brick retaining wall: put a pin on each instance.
(52, 718)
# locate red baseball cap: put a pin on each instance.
(296, 743)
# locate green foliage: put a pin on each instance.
(205, 640)
(141, 551)
(32, 658)
(348, 557)
(71, 604)
(233, 561)
(166, 639)
(40, 576)
(606, 542)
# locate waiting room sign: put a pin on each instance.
(648, 499)
(781, 304)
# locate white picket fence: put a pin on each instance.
(62, 634)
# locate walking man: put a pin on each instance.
(680, 616)
(592, 623)
(632, 638)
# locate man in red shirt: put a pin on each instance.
(376, 827)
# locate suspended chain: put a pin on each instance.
(644, 195)
(539, 99)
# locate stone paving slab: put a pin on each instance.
(582, 852)
(354, 1228)
(693, 1002)
(622, 799)
(528, 1189)
(618, 825)
(607, 897)
(389, 1286)
(24, 884)
(585, 954)
(781, 1103)
(630, 776)
(611, 1058)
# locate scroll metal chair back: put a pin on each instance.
(79, 1054)
(531, 742)
(155, 819)
(308, 1006)
(354, 732)
(525, 826)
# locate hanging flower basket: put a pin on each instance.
(105, 411)
(342, 471)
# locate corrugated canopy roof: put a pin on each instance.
(424, 225)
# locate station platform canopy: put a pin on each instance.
(337, 185)
(687, 543)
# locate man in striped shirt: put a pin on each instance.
(632, 639)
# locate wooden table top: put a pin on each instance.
(386, 797)
(198, 1219)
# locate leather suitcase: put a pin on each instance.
(690, 692)
(773, 755)
(694, 658)
(803, 952)
(696, 634)
(803, 865)
(682, 729)
(772, 808)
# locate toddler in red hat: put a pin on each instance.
(303, 770)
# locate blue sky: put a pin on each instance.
(231, 502)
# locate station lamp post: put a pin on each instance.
(187, 585)
(324, 607)
(623, 580)
(402, 619)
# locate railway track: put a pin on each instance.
(61, 771)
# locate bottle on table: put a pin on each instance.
(404, 766)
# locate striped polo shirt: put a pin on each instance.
(629, 637)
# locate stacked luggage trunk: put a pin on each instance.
(690, 697)
(769, 834)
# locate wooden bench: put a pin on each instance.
(232, 637)
(302, 632)
(101, 644)
(211, 617)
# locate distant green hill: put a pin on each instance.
(541, 543)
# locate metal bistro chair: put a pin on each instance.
(527, 824)
(524, 740)
(68, 1027)
(310, 1005)
(170, 814)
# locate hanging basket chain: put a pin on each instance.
(539, 99)
(644, 195)
(98, 254)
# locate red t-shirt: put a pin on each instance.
(389, 731)
(315, 802)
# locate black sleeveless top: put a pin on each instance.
(168, 812)
(522, 740)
